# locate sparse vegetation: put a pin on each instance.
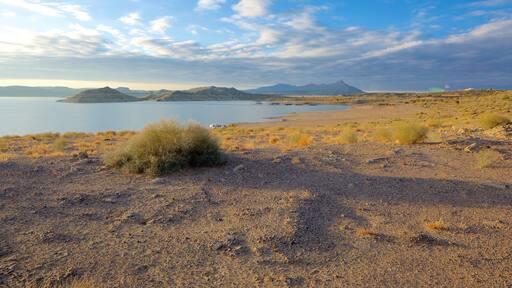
(438, 225)
(60, 144)
(164, 147)
(486, 158)
(366, 232)
(491, 120)
(301, 140)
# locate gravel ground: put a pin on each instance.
(345, 216)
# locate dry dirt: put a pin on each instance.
(345, 216)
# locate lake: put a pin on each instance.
(28, 115)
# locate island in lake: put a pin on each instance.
(102, 95)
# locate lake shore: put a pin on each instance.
(296, 205)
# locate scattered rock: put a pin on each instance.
(494, 185)
(500, 132)
(158, 181)
(427, 240)
(294, 282)
(82, 155)
(474, 147)
(233, 246)
(376, 160)
(238, 168)
(132, 217)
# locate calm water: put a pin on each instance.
(26, 115)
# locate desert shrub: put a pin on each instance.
(486, 158)
(491, 120)
(302, 140)
(409, 133)
(347, 136)
(164, 147)
(4, 145)
(382, 135)
(60, 144)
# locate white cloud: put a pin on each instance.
(252, 8)
(268, 36)
(160, 25)
(130, 19)
(8, 14)
(209, 4)
(50, 8)
(77, 11)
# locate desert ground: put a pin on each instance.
(309, 200)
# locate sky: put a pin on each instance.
(380, 45)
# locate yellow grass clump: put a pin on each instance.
(491, 120)
(438, 225)
(486, 158)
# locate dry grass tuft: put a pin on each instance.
(438, 225)
(366, 232)
(81, 284)
(491, 120)
(301, 140)
(407, 133)
(165, 147)
(486, 158)
(60, 144)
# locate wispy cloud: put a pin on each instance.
(50, 8)
(203, 5)
(131, 19)
(160, 25)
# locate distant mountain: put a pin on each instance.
(337, 88)
(102, 95)
(24, 91)
(211, 93)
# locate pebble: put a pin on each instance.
(238, 168)
(158, 181)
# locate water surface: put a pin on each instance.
(27, 115)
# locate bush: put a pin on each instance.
(491, 120)
(406, 134)
(382, 135)
(165, 147)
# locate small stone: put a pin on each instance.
(239, 168)
(474, 147)
(82, 155)
(133, 217)
(494, 185)
(158, 181)
(376, 160)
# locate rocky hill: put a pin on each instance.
(211, 93)
(102, 95)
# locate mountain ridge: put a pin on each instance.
(329, 89)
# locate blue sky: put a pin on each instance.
(375, 45)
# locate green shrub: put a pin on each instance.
(491, 120)
(165, 147)
(409, 133)
(486, 158)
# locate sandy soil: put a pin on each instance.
(345, 216)
(355, 113)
